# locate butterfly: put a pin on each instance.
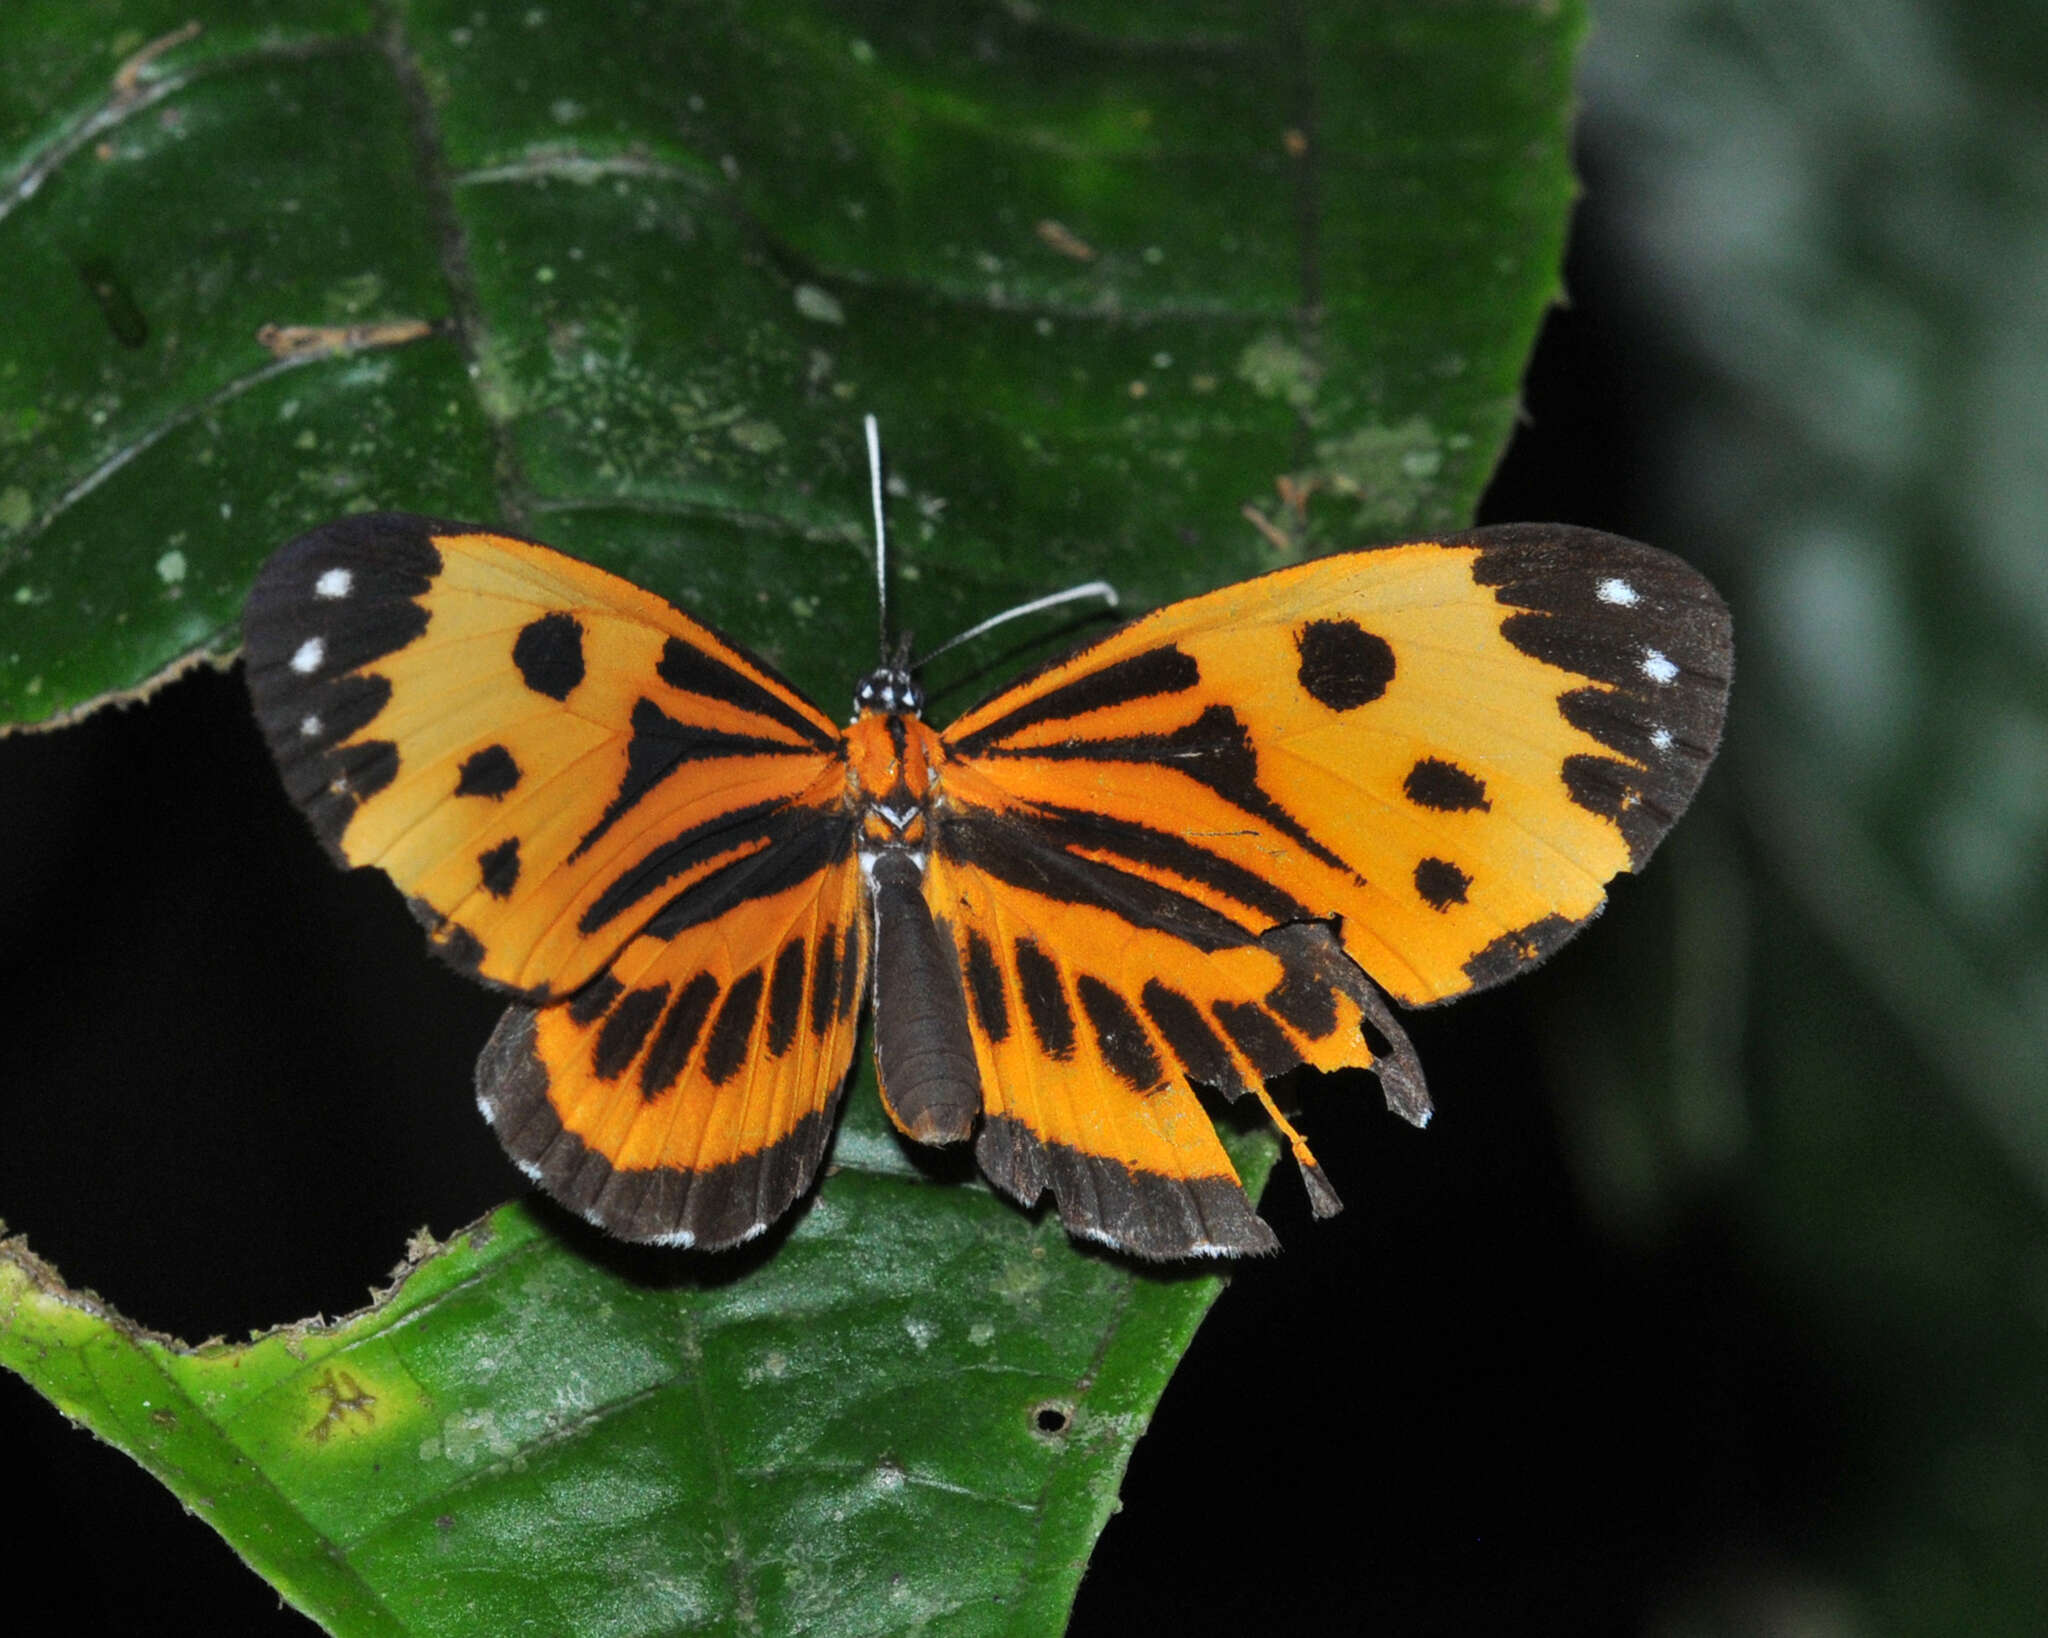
(1201, 849)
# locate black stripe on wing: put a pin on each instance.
(661, 745)
(712, 1207)
(777, 845)
(1024, 854)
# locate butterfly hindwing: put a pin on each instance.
(1449, 746)
(686, 1096)
(1098, 997)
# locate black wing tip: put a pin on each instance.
(715, 1209)
(1651, 635)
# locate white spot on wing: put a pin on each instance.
(683, 1237)
(1661, 738)
(309, 726)
(1658, 668)
(307, 657)
(1619, 592)
(334, 583)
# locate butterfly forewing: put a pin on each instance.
(1450, 746)
(538, 753)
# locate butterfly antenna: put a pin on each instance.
(1101, 589)
(874, 433)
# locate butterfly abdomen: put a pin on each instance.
(924, 1056)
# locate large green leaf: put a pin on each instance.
(624, 276)
(910, 1413)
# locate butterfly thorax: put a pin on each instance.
(892, 776)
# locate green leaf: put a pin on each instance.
(911, 1412)
(1163, 295)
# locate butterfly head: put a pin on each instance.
(891, 690)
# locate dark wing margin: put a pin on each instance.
(713, 1207)
(1651, 635)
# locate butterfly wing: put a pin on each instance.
(1192, 839)
(686, 1095)
(1450, 745)
(586, 794)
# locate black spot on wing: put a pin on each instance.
(1045, 1000)
(824, 981)
(1152, 674)
(1262, 1041)
(1444, 787)
(499, 868)
(548, 653)
(1126, 1047)
(680, 1027)
(726, 1048)
(625, 1031)
(1441, 883)
(696, 672)
(985, 988)
(785, 998)
(1343, 666)
(490, 772)
(1189, 1038)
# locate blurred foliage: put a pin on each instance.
(1832, 223)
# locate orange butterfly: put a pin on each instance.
(1186, 852)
